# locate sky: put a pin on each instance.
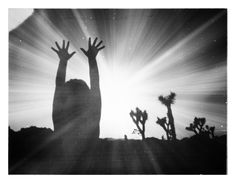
(148, 53)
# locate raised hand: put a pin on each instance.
(93, 49)
(63, 51)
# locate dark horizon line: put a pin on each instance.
(112, 138)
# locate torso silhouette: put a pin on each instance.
(76, 111)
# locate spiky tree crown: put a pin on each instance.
(161, 121)
(139, 116)
(167, 100)
(199, 122)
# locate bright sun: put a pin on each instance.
(119, 96)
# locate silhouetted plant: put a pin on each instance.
(211, 131)
(197, 125)
(167, 101)
(166, 126)
(199, 129)
(139, 117)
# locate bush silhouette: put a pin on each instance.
(197, 126)
(139, 117)
(167, 101)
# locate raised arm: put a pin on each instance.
(91, 53)
(64, 56)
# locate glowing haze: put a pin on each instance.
(148, 53)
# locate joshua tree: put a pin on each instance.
(197, 125)
(139, 117)
(199, 129)
(210, 130)
(166, 126)
(167, 101)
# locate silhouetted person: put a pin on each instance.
(76, 108)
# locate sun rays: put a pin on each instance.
(148, 53)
